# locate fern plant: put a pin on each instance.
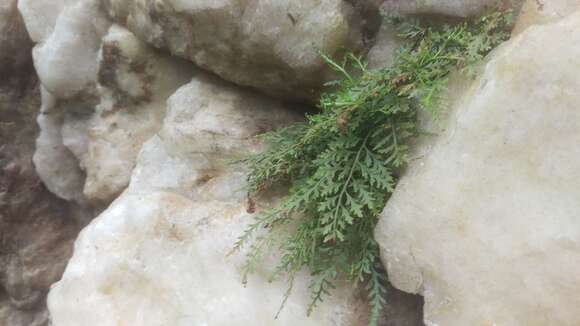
(341, 164)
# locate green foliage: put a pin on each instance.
(341, 164)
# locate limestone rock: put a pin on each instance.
(134, 84)
(269, 45)
(485, 225)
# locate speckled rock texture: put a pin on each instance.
(134, 81)
(103, 95)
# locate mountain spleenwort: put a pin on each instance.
(341, 164)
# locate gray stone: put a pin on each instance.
(269, 45)
(461, 8)
(37, 229)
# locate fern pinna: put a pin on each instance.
(341, 164)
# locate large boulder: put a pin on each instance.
(159, 254)
(485, 224)
(269, 45)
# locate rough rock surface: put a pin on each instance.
(103, 94)
(134, 83)
(56, 165)
(66, 63)
(485, 225)
(535, 12)
(158, 254)
(37, 229)
(40, 16)
(461, 8)
(270, 45)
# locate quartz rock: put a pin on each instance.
(485, 224)
(68, 35)
(159, 254)
(134, 84)
(461, 8)
(269, 45)
(104, 95)
(56, 165)
(66, 62)
(544, 11)
(40, 16)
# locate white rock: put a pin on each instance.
(159, 254)
(76, 121)
(134, 84)
(68, 35)
(536, 12)
(383, 52)
(66, 62)
(269, 45)
(486, 226)
(40, 16)
(81, 66)
(55, 164)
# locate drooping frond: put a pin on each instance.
(341, 164)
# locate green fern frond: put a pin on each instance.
(341, 164)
